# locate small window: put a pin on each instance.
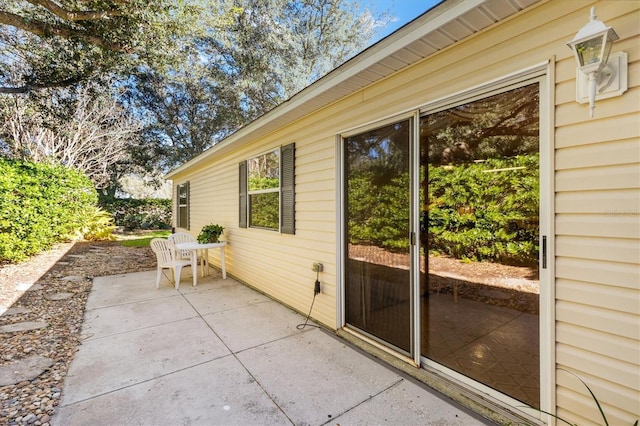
(263, 180)
(267, 191)
(183, 205)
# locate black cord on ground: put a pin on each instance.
(316, 291)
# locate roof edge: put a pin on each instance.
(429, 21)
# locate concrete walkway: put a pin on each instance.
(225, 354)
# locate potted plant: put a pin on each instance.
(210, 233)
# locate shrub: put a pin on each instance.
(149, 213)
(99, 225)
(40, 204)
(478, 214)
(484, 211)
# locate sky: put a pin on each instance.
(401, 12)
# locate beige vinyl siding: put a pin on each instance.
(597, 196)
(264, 259)
(598, 237)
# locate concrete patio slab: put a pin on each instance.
(223, 298)
(121, 318)
(209, 282)
(263, 323)
(222, 353)
(315, 378)
(113, 362)
(219, 392)
(406, 403)
(127, 288)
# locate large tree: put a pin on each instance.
(274, 48)
(82, 127)
(56, 43)
(247, 57)
(195, 70)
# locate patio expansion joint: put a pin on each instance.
(90, 338)
(239, 361)
(293, 334)
(371, 397)
(97, 308)
(99, 395)
(234, 308)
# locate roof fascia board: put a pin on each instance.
(435, 18)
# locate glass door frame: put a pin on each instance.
(542, 74)
(412, 117)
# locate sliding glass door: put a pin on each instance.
(378, 285)
(464, 292)
(479, 284)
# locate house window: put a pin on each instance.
(183, 206)
(263, 189)
(267, 191)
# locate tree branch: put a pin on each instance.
(29, 87)
(45, 30)
(84, 15)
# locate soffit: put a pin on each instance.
(437, 29)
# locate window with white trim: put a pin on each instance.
(182, 196)
(267, 190)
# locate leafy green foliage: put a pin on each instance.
(143, 240)
(210, 233)
(150, 213)
(479, 211)
(40, 205)
(47, 46)
(486, 210)
(99, 225)
(264, 210)
(236, 62)
(377, 214)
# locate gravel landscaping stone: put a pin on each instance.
(73, 278)
(34, 397)
(59, 296)
(23, 370)
(22, 326)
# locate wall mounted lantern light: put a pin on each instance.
(599, 75)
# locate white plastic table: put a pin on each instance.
(194, 247)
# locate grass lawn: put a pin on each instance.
(141, 238)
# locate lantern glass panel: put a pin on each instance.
(607, 50)
(590, 51)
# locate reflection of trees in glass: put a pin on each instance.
(377, 186)
(478, 213)
(502, 125)
(381, 151)
(264, 212)
(483, 179)
(264, 190)
(264, 171)
(476, 210)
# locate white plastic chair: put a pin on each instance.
(182, 237)
(166, 256)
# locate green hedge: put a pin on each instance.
(40, 205)
(485, 211)
(149, 213)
